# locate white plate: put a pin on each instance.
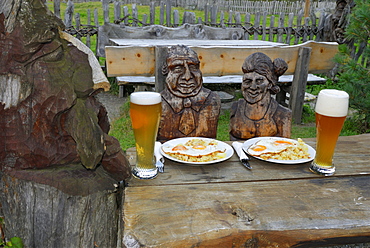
(220, 144)
(252, 141)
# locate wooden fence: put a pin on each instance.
(272, 7)
(285, 28)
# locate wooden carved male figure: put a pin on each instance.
(49, 115)
(258, 114)
(188, 109)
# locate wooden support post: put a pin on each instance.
(160, 58)
(299, 83)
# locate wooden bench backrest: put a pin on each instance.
(218, 61)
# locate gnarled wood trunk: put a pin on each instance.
(62, 207)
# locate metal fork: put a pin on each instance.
(159, 160)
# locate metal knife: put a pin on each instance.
(238, 147)
(159, 160)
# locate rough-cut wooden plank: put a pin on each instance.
(160, 57)
(125, 60)
(268, 214)
(138, 61)
(352, 161)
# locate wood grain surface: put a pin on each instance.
(273, 205)
(139, 59)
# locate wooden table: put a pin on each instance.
(273, 205)
(172, 42)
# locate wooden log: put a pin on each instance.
(62, 207)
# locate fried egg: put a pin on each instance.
(195, 150)
(270, 146)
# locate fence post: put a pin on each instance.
(152, 13)
(125, 14)
(161, 17)
(256, 25)
(117, 10)
(134, 15)
(264, 23)
(57, 8)
(78, 25)
(168, 13)
(272, 27)
(89, 25)
(290, 28)
(96, 21)
(69, 14)
(281, 27)
(106, 10)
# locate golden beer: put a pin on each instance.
(331, 111)
(145, 113)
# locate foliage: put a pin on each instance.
(355, 72)
(223, 126)
(14, 242)
(121, 128)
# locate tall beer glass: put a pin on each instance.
(331, 111)
(145, 113)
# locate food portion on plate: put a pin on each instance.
(195, 150)
(279, 149)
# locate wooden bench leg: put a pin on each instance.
(299, 83)
(121, 92)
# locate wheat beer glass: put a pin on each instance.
(331, 111)
(145, 113)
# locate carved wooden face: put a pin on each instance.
(184, 77)
(255, 87)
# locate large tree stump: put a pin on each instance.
(62, 207)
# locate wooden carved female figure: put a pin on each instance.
(258, 114)
(188, 109)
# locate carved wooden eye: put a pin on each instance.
(178, 69)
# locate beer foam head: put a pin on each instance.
(145, 98)
(332, 103)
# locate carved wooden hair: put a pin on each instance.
(262, 64)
